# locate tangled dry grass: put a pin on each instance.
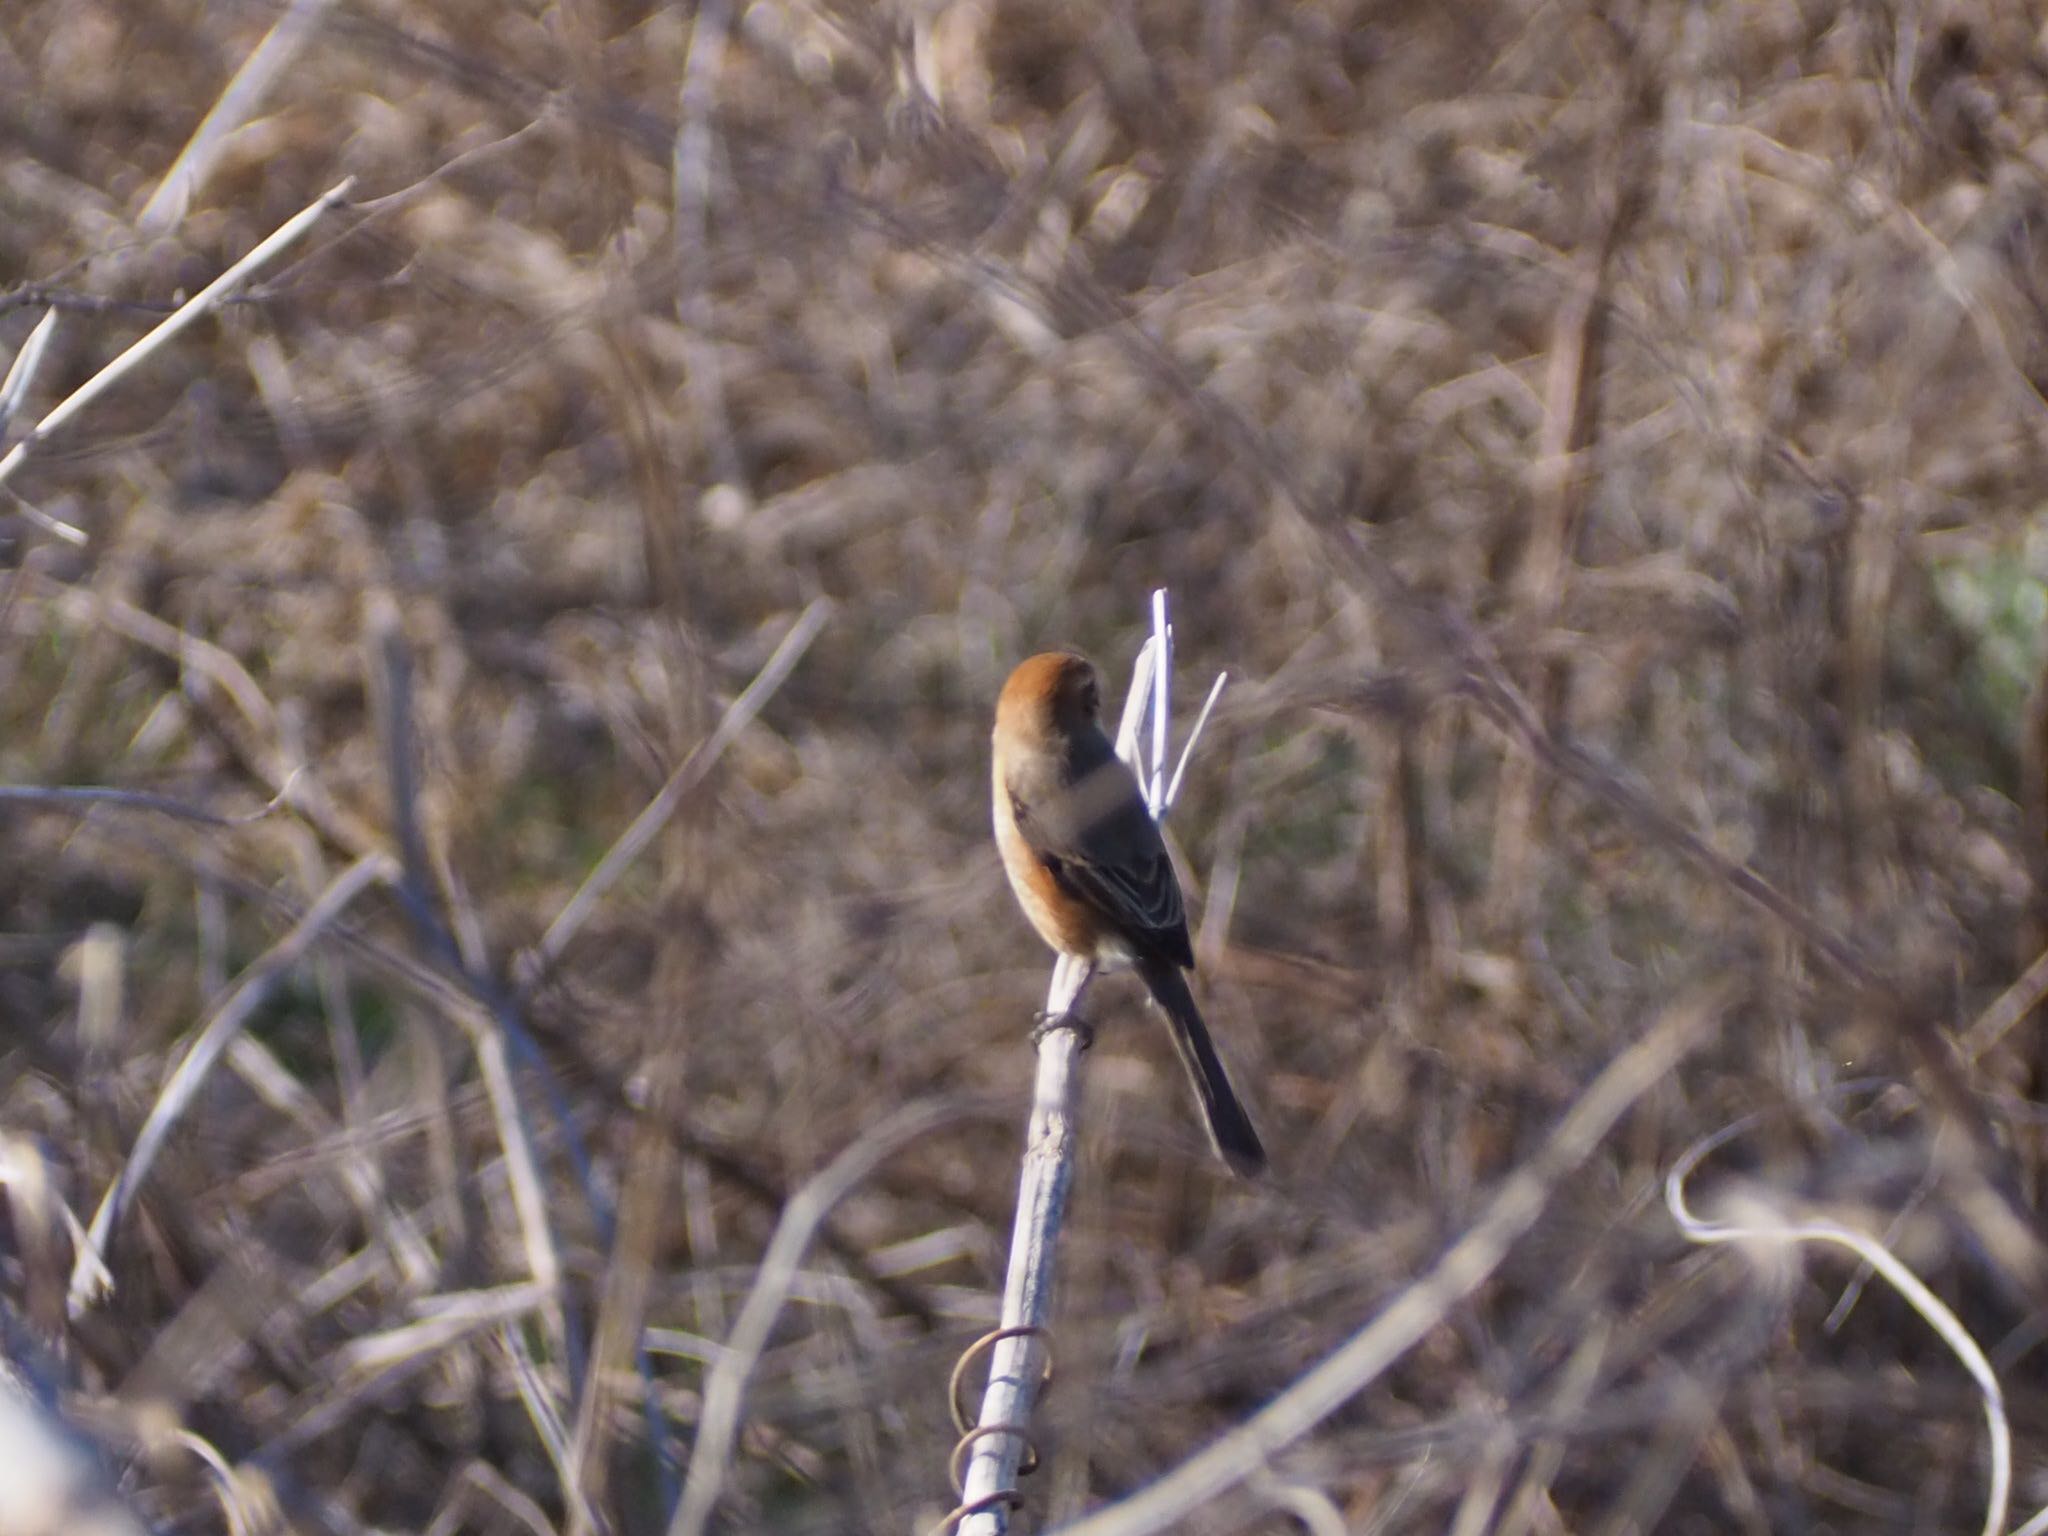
(1603, 441)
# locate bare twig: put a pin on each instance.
(522, 1167)
(691, 175)
(21, 373)
(83, 797)
(200, 304)
(545, 1414)
(13, 391)
(1570, 411)
(88, 1277)
(2011, 1005)
(1187, 750)
(725, 1391)
(688, 775)
(252, 730)
(166, 207)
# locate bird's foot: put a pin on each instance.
(1044, 1024)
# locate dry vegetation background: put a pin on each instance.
(1674, 370)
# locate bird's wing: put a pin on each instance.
(1097, 840)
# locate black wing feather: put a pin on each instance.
(1102, 846)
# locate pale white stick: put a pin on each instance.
(1017, 1364)
(21, 376)
(1187, 752)
(545, 1415)
(21, 373)
(1162, 639)
(166, 207)
(1762, 1222)
(522, 1166)
(1134, 704)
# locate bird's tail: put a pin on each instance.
(1230, 1128)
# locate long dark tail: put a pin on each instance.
(1230, 1128)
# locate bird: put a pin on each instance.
(1089, 868)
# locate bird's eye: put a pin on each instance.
(1091, 696)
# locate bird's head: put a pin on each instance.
(1050, 696)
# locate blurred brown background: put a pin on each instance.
(1676, 369)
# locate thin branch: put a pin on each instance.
(88, 1275)
(522, 1167)
(86, 796)
(207, 299)
(1162, 703)
(1133, 717)
(1187, 751)
(691, 176)
(691, 772)
(21, 373)
(13, 390)
(2012, 1005)
(725, 1390)
(166, 207)
(496, 1029)
(546, 1418)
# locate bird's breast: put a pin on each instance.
(1066, 923)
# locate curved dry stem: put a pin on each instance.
(1762, 1220)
